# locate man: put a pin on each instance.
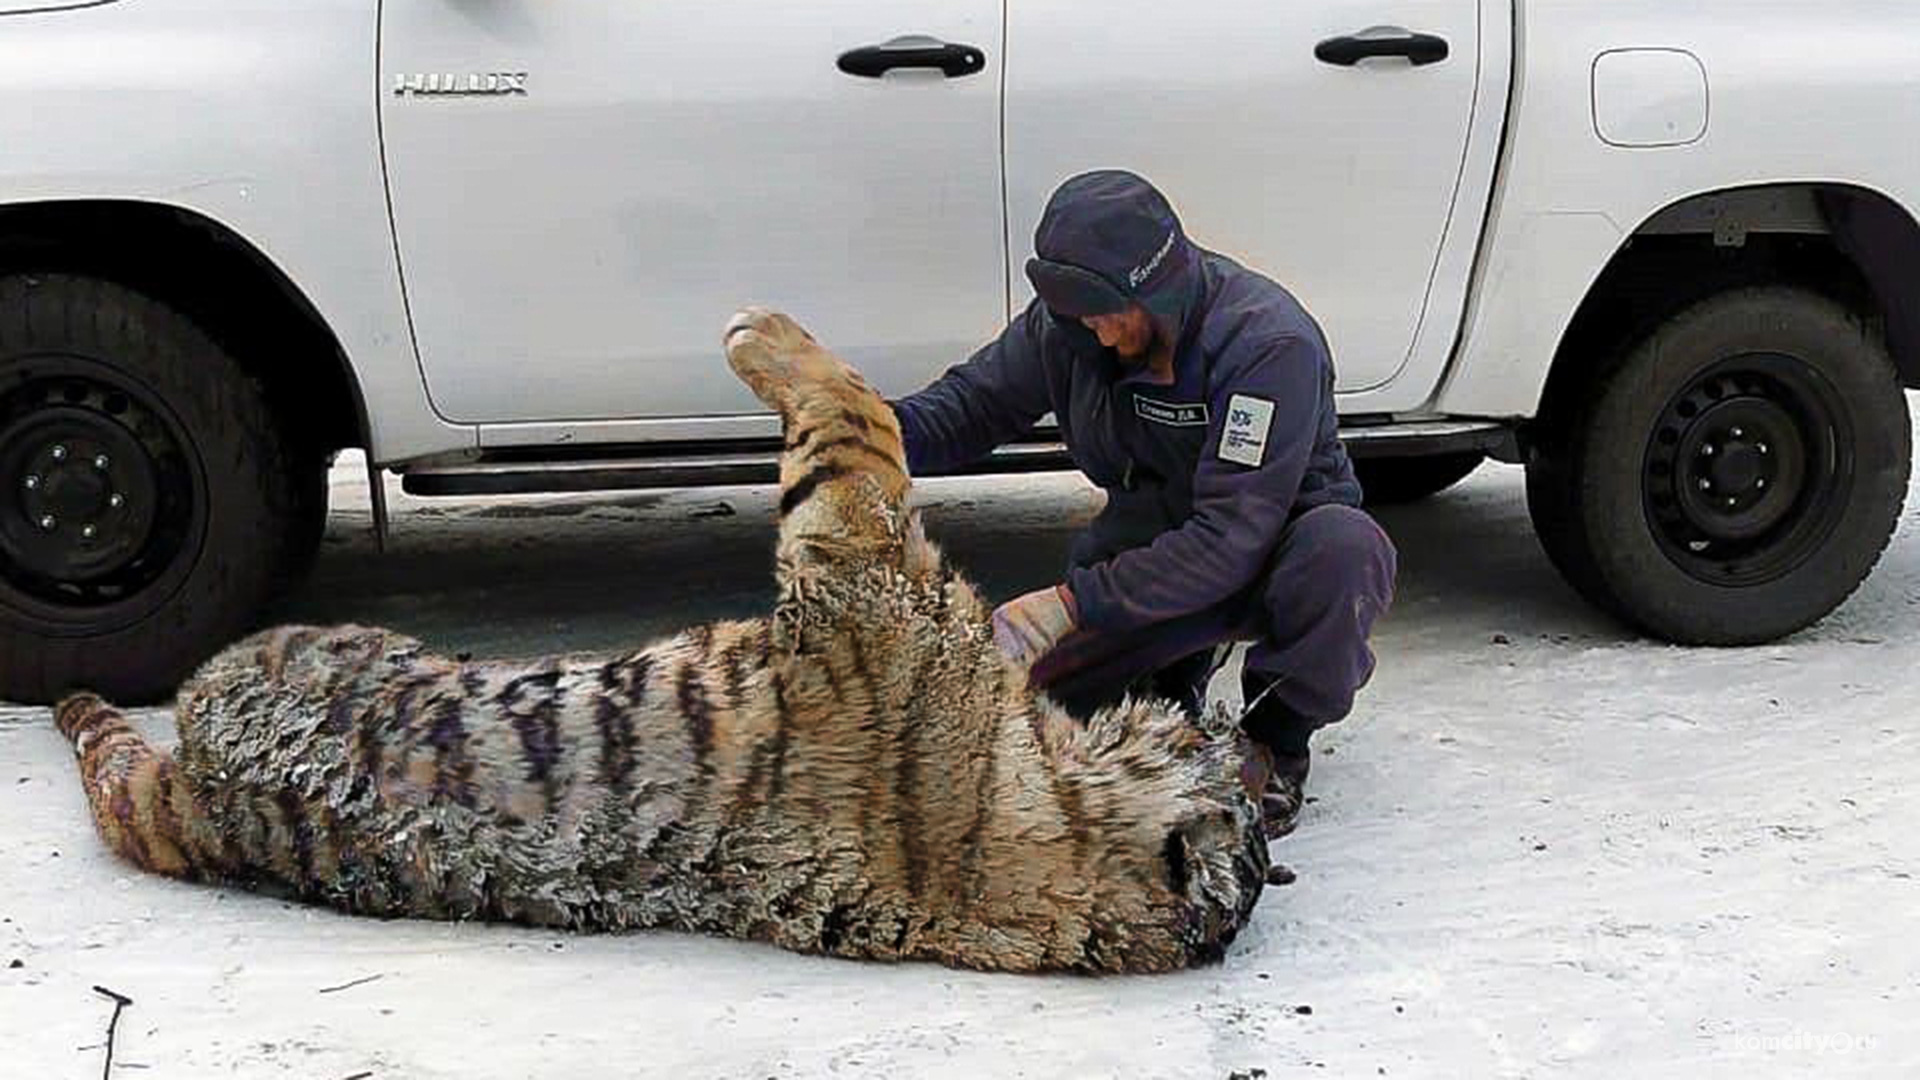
(1199, 395)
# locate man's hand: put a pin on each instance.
(1027, 627)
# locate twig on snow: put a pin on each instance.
(120, 1001)
(348, 985)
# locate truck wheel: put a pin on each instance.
(143, 503)
(1734, 476)
(1391, 481)
(307, 495)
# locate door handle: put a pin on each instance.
(913, 51)
(1420, 49)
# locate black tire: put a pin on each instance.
(1392, 481)
(1734, 476)
(120, 416)
(308, 495)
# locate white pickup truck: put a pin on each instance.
(1665, 254)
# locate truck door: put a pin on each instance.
(1312, 141)
(583, 191)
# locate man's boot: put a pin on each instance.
(1280, 760)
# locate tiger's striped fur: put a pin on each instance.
(861, 774)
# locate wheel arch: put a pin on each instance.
(1852, 243)
(218, 280)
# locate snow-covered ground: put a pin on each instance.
(1540, 848)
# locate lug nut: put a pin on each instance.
(88, 531)
(1733, 503)
(48, 522)
(1706, 484)
(116, 500)
(1763, 448)
(1760, 484)
(58, 453)
(100, 462)
(1708, 450)
(32, 481)
(1737, 433)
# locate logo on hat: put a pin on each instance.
(1145, 270)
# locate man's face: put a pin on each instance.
(1128, 333)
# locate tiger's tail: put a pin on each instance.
(141, 803)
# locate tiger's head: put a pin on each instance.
(1173, 828)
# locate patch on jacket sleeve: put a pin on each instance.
(1244, 441)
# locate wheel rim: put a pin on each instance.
(1748, 470)
(101, 497)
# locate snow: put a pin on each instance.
(1541, 846)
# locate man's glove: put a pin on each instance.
(1028, 627)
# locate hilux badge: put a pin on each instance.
(491, 84)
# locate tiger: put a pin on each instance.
(861, 773)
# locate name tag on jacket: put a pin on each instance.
(1172, 414)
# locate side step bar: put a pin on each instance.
(1421, 438)
(710, 469)
(716, 465)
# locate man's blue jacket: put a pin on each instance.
(1202, 474)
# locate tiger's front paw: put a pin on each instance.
(763, 347)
